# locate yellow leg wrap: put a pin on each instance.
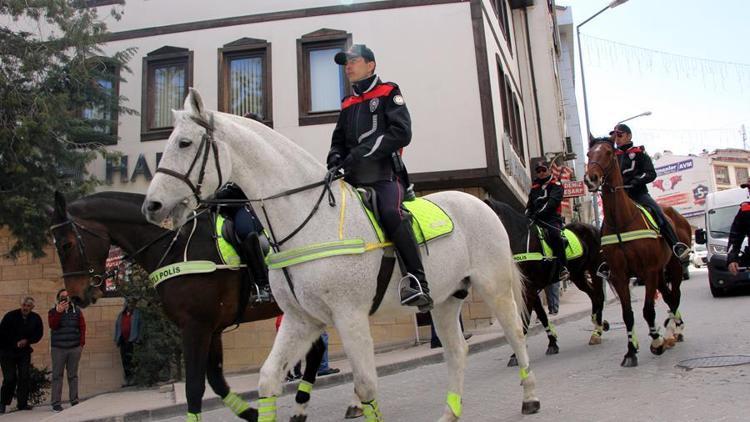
(371, 411)
(305, 387)
(523, 373)
(454, 402)
(235, 403)
(193, 417)
(267, 409)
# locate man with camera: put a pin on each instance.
(68, 329)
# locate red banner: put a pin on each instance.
(574, 189)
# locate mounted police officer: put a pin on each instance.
(637, 171)
(543, 206)
(739, 231)
(373, 127)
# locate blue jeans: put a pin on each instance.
(553, 296)
(324, 361)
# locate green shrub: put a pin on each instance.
(158, 355)
(39, 383)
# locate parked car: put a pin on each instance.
(700, 255)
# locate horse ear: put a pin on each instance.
(60, 205)
(194, 103)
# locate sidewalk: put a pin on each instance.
(169, 401)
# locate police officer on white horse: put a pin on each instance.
(373, 127)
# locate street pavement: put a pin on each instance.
(581, 383)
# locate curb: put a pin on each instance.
(336, 379)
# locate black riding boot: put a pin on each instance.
(414, 289)
(255, 259)
(679, 249)
(558, 248)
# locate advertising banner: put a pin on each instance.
(681, 182)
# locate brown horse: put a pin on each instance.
(650, 258)
(201, 305)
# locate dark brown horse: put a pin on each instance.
(201, 305)
(538, 274)
(648, 258)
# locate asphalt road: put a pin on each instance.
(582, 383)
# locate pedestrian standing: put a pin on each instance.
(67, 337)
(127, 333)
(19, 329)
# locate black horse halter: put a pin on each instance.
(95, 279)
(605, 171)
(207, 145)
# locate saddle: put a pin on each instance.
(571, 242)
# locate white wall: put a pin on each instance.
(435, 67)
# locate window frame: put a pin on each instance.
(158, 58)
(511, 113)
(725, 171)
(318, 40)
(108, 63)
(502, 13)
(738, 178)
(246, 48)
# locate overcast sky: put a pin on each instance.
(695, 104)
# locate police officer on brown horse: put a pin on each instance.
(637, 171)
(737, 234)
(543, 207)
(373, 127)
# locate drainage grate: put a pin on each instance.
(714, 361)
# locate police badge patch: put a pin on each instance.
(399, 100)
(374, 104)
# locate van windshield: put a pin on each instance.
(720, 221)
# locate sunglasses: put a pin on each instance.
(619, 134)
(541, 170)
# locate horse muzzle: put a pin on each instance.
(593, 183)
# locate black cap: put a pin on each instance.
(357, 50)
(621, 128)
(541, 164)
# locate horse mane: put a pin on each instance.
(516, 224)
(109, 206)
(593, 141)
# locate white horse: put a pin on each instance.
(207, 148)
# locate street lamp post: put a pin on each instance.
(611, 5)
(645, 113)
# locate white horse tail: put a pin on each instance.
(519, 288)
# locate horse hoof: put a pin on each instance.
(530, 407)
(629, 362)
(513, 361)
(353, 412)
(553, 350)
(298, 418)
(657, 350)
(680, 338)
(249, 414)
(594, 340)
(605, 325)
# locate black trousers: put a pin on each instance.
(390, 195)
(16, 373)
(126, 355)
(647, 201)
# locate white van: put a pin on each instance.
(721, 208)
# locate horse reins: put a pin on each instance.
(95, 279)
(207, 145)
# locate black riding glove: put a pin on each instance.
(334, 160)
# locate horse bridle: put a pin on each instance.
(207, 145)
(605, 171)
(95, 279)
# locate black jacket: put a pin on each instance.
(636, 167)
(14, 328)
(739, 231)
(545, 200)
(373, 126)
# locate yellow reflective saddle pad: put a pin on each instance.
(429, 222)
(649, 218)
(573, 250)
(227, 252)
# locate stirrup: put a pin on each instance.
(603, 271)
(261, 294)
(411, 296)
(684, 254)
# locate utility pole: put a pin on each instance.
(744, 136)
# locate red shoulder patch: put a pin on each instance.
(382, 90)
(635, 149)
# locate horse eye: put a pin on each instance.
(66, 246)
(185, 143)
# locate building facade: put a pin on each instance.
(480, 110)
(729, 167)
(682, 182)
